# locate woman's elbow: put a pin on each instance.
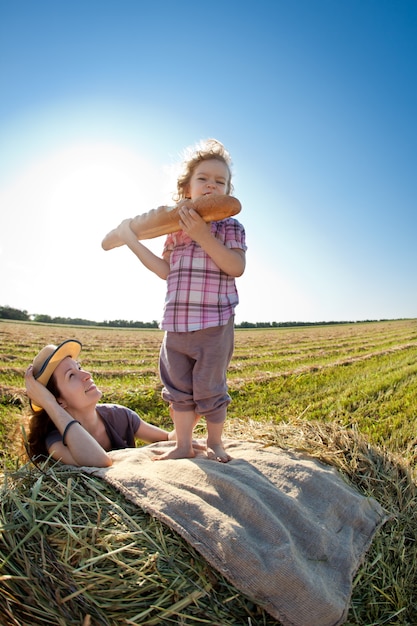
(102, 461)
(107, 462)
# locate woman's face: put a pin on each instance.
(76, 389)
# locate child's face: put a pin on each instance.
(209, 177)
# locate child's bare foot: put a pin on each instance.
(218, 453)
(197, 445)
(176, 453)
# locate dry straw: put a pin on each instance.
(74, 551)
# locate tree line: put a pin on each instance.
(10, 313)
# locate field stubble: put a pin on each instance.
(359, 375)
(342, 393)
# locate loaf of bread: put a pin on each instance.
(165, 220)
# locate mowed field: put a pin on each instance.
(343, 393)
(359, 375)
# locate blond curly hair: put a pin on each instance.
(204, 151)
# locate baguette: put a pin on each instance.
(165, 220)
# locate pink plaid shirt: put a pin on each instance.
(199, 294)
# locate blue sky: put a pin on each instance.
(316, 101)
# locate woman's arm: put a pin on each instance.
(81, 448)
(151, 434)
(151, 261)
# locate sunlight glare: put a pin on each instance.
(59, 209)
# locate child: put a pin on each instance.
(200, 263)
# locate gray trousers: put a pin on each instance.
(193, 369)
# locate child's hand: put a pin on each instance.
(124, 231)
(193, 225)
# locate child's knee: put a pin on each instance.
(216, 415)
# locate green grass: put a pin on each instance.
(342, 393)
(361, 375)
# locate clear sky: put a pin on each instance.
(316, 101)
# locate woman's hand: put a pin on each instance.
(36, 392)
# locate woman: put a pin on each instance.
(67, 422)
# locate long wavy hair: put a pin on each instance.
(40, 425)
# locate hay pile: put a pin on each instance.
(74, 551)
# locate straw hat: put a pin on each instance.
(48, 359)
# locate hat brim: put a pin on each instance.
(69, 348)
